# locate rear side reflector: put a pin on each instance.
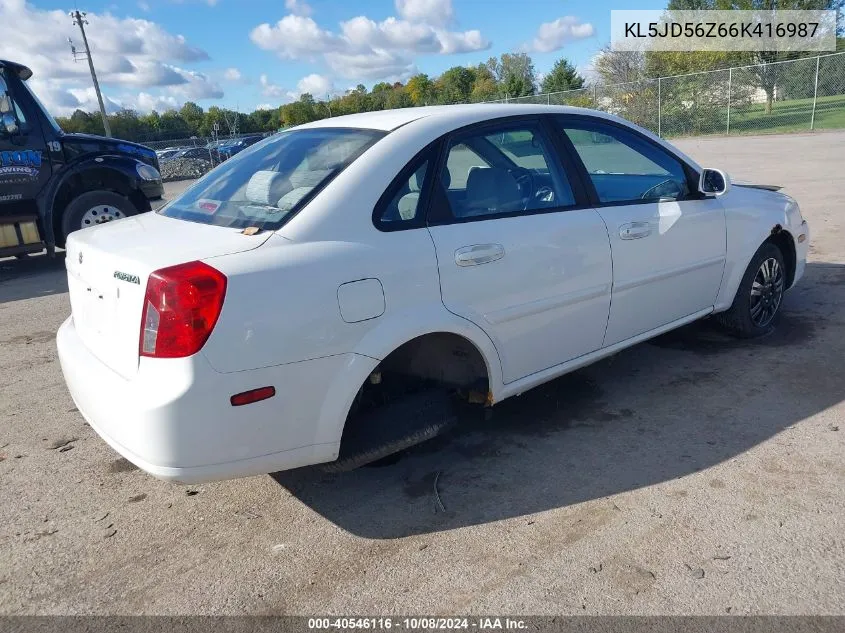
(254, 395)
(181, 307)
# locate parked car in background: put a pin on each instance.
(332, 294)
(204, 153)
(167, 152)
(238, 145)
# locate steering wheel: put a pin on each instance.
(654, 192)
(525, 181)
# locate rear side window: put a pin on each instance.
(266, 184)
(624, 167)
(402, 205)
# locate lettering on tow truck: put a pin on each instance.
(20, 163)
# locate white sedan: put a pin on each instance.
(331, 293)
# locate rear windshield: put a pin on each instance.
(265, 185)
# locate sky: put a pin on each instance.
(248, 54)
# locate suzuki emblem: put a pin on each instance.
(80, 257)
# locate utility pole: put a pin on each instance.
(80, 21)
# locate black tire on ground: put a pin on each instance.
(393, 428)
(737, 319)
(72, 218)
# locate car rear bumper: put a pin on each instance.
(174, 419)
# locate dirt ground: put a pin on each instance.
(694, 474)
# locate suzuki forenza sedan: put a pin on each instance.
(331, 293)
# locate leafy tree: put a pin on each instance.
(420, 89)
(299, 112)
(398, 97)
(193, 115)
(514, 72)
(125, 124)
(562, 76)
(616, 67)
(484, 88)
(455, 85)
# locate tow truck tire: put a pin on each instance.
(92, 208)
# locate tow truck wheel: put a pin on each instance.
(93, 208)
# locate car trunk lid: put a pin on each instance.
(108, 267)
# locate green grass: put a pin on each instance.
(789, 116)
(792, 115)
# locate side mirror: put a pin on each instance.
(10, 124)
(713, 182)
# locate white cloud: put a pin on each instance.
(269, 89)
(232, 74)
(265, 106)
(318, 86)
(552, 36)
(377, 64)
(436, 12)
(294, 37)
(147, 102)
(298, 7)
(365, 49)
(144, 6)
(131, 55)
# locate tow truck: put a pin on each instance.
(53, 183)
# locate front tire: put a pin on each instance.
(756, 306)
(93, 208)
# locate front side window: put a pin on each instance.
(503, 171)
(266, 184)
(9, 105)
(624, 167)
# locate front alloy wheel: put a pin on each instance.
(758, 299)
(766, 292)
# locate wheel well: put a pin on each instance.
(94, 180)
(442, 357)
(784, 241)
(443, 369)
(439, 359)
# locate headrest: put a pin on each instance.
(492, 189)
(266, 187)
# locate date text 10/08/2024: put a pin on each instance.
(418, 623)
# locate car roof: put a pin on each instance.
(449, 117)
(388, 120)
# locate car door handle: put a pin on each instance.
(479, 254)
(634, 230)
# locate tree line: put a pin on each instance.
(511, 75)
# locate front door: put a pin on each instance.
(24, 159)
(516, 255)
(668, 244)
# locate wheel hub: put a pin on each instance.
(766, 292)
(100, 214)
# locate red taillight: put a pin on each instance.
(181, 306)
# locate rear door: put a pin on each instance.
(518, 252)
(668, 244)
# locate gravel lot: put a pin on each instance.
(692, 474)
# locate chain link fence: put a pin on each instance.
(196, 141)
(788, 96)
